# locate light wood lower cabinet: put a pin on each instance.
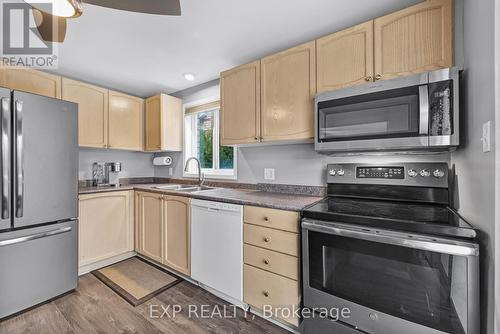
(163, 226)
(92, 111)
(149, 208)
(106, 227)
(177, 233)
(271, 257)
(31, 81)
(126, 126)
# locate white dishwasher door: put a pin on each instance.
(217, 246)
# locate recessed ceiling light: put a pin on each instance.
(61, 8)
(189, 76)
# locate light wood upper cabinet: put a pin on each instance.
(106, 226)
(345, 58)
(415, 39)
(126, 114)
(163, 123)
(177, 230)
(92, 111)
(150, 225)
(31, 81)
(240, 105)
(288, 87)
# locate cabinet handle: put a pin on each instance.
(267, 239)
(265, 293)
(378, 77)
(266, 219)
(368, 78)
(266, 261)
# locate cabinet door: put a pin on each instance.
(287, 92)
(106, 226)
(178, 234)
(153, 124)
(126, 115)
(31, 81)
(163, 123)
(92, 111)
(150, 225)
(240, 105)
(415, 39)
(345, 58)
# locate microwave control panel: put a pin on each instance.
(380, 173)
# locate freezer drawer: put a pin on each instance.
(36, 265)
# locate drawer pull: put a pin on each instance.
(266, 219)
(267, 239)
(265, 293)
(266, 261)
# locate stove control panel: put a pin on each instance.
(380, 172)
(433, 174)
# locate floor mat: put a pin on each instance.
(136, 280)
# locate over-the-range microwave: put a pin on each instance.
(417, 112)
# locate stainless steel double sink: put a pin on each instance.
(184, 188)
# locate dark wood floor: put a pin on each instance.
(94, 308)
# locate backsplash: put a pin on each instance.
(134, 164)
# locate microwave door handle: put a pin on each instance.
(423, 96)
(402, 240)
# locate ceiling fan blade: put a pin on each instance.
(158, 7)
(50, 28)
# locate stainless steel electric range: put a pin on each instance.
(386, 245)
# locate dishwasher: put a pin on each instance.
(217, 247)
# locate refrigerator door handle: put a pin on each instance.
(34, 236)
(19, 186)
(5, 158)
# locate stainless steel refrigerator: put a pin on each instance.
(38, 199)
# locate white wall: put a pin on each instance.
(476, 170)
(134, 164)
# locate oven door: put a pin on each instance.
(381, 116)
(392, 282)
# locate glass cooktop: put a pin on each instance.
(404, 216)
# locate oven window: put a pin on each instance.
(386, 114)
(419, 286)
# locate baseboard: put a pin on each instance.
(104, 263)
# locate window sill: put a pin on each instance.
(211, 176)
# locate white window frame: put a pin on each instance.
(209, 173)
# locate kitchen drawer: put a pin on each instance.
(262, 288)
(281, 264)
(280, 241)
(278, 219)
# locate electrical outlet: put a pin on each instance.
(268, 173)
(486, 138)
(170, 171)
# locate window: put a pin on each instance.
(201, 140)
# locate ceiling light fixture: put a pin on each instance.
(189, 76)
(61, 8)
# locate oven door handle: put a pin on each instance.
(423, 96)
(438, 245)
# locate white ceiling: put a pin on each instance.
(144, 54)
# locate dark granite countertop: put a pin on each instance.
(267, 199)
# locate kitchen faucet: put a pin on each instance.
(201, 178)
